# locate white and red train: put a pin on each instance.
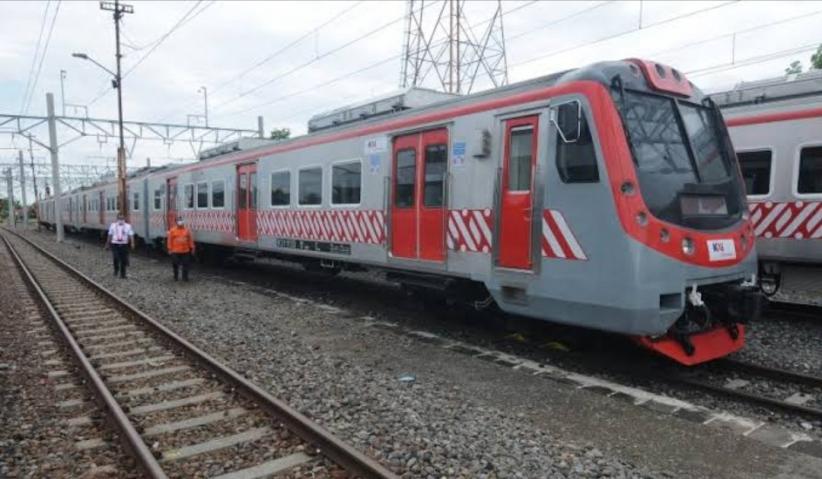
(607, 197)
(776, 128)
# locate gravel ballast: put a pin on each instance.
(455, 417)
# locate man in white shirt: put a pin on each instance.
(120, 235)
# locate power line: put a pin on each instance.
(42, 57)
(753, 60)
(180, 23)
(312, 61)
(34, 57)
(276, 53)
(560, 20)
(621, 34)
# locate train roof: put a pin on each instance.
(779, 89)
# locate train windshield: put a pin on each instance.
(684, 170)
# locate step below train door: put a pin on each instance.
(247, 202)
(517, 193)
(418, 195)
(171, 202)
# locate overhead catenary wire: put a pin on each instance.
(34, 57)
(42, 57)
(754, 60)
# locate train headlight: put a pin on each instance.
(627, 188)
(688, 246)
(664, 235)
(642, 218)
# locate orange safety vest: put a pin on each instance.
(180, 240)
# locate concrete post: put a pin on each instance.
(23, 188)
(260, 129)
(10, 198)
(55, 169)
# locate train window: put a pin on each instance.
(406, 177)
(202, 195)
(218, 194)
(576, 160)
(756, 170)
(311, 186)
(281, 188)
(521, 144)
(252, 179)
(436, 159)
(242, 192)
(158, 198)
(136, 200)
(346, 183)
(810, 170)
(188, 196)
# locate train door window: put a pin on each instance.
(252, 178)
(406, 176)
(281, 188)
(158, 198)
(311, 186)
(810, 170)
(202, 195)
(136, 199)
(242, 193)
(519, 173)
(436, 159)
(188, 196)
(346, 183)
(575, 155)
(756, 170)
(218, 194)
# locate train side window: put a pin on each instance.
(218, 194)
(202, 195)
(136, 199)
(575, 155)
(519, 168)
(810, 170)
(436, 159)
(406, 178)
(756, 171)
(311, 186)
(158, 198)
(188, 195)
(281, 188)
(346, 183)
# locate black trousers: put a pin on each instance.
(119, 253)
(181, 260)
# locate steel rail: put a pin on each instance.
(128, 434)
(798, 311)
(767, 371)
(343, 454)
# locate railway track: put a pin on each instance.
(786, 311)
(756, 384)
(178, 411)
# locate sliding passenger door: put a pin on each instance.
(171, 202)
(247, 202)
(418, 195)
(517, 193)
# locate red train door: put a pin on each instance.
(247, 202)
(171, 202)
(418, 195)
(516, 208)
(101, 208)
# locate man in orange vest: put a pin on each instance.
(181, 247)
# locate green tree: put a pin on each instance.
(816, 59)
(795, 67)
(280, 134)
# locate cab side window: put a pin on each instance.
(810, 170)
(575, 155)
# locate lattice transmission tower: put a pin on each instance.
(443, 51)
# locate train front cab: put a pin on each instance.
(658, 244)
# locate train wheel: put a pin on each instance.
(769, 284)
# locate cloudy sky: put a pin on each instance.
(288, 60)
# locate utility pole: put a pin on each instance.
(63, 90)
(260, 127)
(34, 182)
(23, 189)
(55, 168)
(205, 100)
(119, 10)
(10, 199)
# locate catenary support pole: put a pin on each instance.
(260, 128)
(10, 198)
(23, 190)
(55, 168)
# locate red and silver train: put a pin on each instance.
(776, 127)
(607, 197)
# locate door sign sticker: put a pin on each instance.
(374, 162)
(458, 153)
(376, 145)
(720, 250)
